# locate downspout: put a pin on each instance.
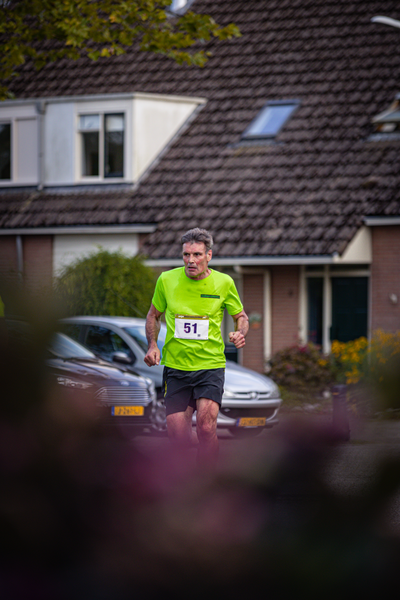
(41, 110)
(20, 259)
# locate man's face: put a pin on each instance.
(196, 259)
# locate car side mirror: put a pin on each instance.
(122, 357)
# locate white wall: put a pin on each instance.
(68, 248)
(156, 122)
(26, 150)
(24, 143)
(359, 251)
(59, 143)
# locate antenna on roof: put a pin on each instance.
(386, 21)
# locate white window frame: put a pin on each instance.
(101, 131)
(102, 108)
(81, 149)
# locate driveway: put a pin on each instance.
(350, 469)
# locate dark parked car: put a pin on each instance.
(123, 398)
(250, 402)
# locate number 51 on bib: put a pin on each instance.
(191, 327)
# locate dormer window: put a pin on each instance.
(270, 120)
(102, 145)
(389, 120)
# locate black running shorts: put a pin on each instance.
(183, 388)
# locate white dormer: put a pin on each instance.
(87, 140)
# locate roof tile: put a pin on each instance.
(304, 192)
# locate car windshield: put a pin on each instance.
(65, 347)
(138, 333)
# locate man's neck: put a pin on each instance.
(201, 276)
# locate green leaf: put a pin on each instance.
(76, 25)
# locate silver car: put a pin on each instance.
(250, 402)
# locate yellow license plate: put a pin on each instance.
(127, 411)
(251, 422)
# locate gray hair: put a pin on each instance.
(198, 235)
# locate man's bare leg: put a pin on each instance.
(207, 413)
(179, 427)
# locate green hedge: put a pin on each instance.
(106, 283)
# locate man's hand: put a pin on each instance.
(152, 357)
(241, 329)
(237, 338)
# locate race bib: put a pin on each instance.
(191, 328)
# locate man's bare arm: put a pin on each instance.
(241, 329)
(153, 324)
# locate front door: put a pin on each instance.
(349, 308)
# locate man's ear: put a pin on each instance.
(209, 255)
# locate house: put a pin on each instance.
(286, 146)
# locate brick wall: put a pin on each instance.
(38, 260)
(284, 306)
(8, 257)
(141, 240)
(385, 278)
(253, 302)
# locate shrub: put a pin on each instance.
(374, 365)
(348, 360)
(106, 283)
(302, 369)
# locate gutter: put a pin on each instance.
(252, 260)
(20, 258)
(378, 221)
(101, 97)
(87, 230)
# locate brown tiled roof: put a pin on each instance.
(35, 209)
(305, 193)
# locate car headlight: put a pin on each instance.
(275, 392)
(228, 394)
(73, 383)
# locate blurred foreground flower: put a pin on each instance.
(85, 514)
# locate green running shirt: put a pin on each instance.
(193, 313)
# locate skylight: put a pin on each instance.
(178, 5)
(388, 121)
(271, 119)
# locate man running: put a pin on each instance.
(193, 298)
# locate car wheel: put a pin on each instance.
(243, 432)
(159, 420)
(159, 431)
